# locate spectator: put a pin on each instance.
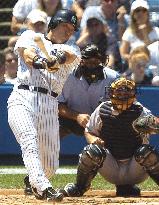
(154, 60)
(114, 16)
(138, 62)
(11, 65)
(80, 5)
(155, 81)
(2, 68)
(140, 31)
(67, 4)
(96, 32)
(154, 12)
(37, 21)
(23, 7)
(115, 19)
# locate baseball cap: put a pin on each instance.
(37, 15)
(139, 3)
(96, 15)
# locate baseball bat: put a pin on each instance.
(41, 45)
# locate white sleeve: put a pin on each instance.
(26, 40)
(127, 36)
(94, 124)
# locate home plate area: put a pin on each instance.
(92, 197)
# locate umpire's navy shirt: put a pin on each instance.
(82, 97)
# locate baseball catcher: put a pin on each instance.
(117, 133)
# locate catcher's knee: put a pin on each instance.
(148, 157)
(92, 158)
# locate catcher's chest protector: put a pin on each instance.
(119, 135)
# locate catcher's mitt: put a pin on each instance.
(147, 125)
(122, 93)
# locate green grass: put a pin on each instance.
(16, 181)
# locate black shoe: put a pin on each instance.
(49, 194)
(27, 189)
(127, 190)
(71, 190)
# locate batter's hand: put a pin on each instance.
(43, 63)
(82, 119)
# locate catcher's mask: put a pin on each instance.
(122, 93)
(91, 65)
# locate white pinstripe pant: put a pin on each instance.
(33, 118)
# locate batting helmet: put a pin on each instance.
(122, 93)
(63, 16)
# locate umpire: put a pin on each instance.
(83, 90)
(118, 149)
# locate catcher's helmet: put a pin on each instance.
(63, 16)
(122, 93)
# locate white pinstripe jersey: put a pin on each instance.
(40, 77)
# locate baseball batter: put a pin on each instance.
(44, 64)
(118, 148)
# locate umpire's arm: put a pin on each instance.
(66, 112)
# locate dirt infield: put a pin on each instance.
(94, 197)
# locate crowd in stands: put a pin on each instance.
(125, 30)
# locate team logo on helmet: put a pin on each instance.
(74, 19)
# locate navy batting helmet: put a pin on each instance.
(63, 16)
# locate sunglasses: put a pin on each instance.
(93, 24)
(141, 10)
(107, 1)
(141, 65)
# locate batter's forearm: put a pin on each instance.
(147, 124)
(66, 112)
(28, 54)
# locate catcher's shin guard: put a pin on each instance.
(91, 159)
(148, 157)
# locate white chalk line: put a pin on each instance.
(23, 171)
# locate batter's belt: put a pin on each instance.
(38, 89)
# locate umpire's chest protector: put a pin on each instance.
(118, 134)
